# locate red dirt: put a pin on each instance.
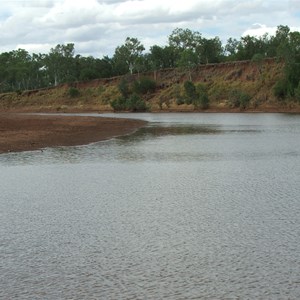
(22, 132)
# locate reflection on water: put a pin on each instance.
(138, 146)
(192, 206)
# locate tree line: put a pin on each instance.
(20, 70)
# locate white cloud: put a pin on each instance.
(97, 27)
(259, 30)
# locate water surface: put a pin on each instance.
(191, 206)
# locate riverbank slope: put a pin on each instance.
(255, 80)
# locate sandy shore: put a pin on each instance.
(21, 132)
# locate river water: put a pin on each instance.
(193, 206)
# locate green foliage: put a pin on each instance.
(201, 88)
(134, 103)
(187, 59)
(238, 98)
(162, 57)
(123, 87)
(257, 58)
(20, 70)
(196, 95)
(280, 89)
(128, 54)
(144, 85)
(191, 48)
(176, 94)
(73, 92)
(118, 104)
(202, 100)
(297, 92)
(180, 101)
(190, 92)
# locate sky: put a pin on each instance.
(97, 27)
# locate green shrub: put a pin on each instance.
(118, 104)
(218, 92)
(123, 87)
(179, 101)
(297, 92)
(134, 103)
(190, 92)
(144, 85)
(73, 92)
(202, 100)
(280, 89)
(176, 93)
(239, 99)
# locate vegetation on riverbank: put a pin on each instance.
(191, 73)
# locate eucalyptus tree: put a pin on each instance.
(231, 48)
(187, 61)
(60, 64)
(191, 44)
(185, 41)
(127, 56)
(290, 52)
(211, 50)
(15, 70)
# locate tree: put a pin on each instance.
(15, 70)
(288, 49)
(211, 50)
(60, 64)
(246, 48)
(128, 54)
(185, 40)
(232, 48)
(188, 59)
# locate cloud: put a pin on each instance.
(259, 30)
(97, 27)
(294, 4)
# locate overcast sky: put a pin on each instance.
(97, 27)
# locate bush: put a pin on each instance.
(297, 92)
(118, 104)
(176, 94)
(144, 85)
(179, 101)
(203, 99)
(239, 99)
(134, 103)
(280, 89)
(190, 92)
(124, 88)
(73, 92)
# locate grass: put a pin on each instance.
(219, 81)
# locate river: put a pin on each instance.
(192, 206)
